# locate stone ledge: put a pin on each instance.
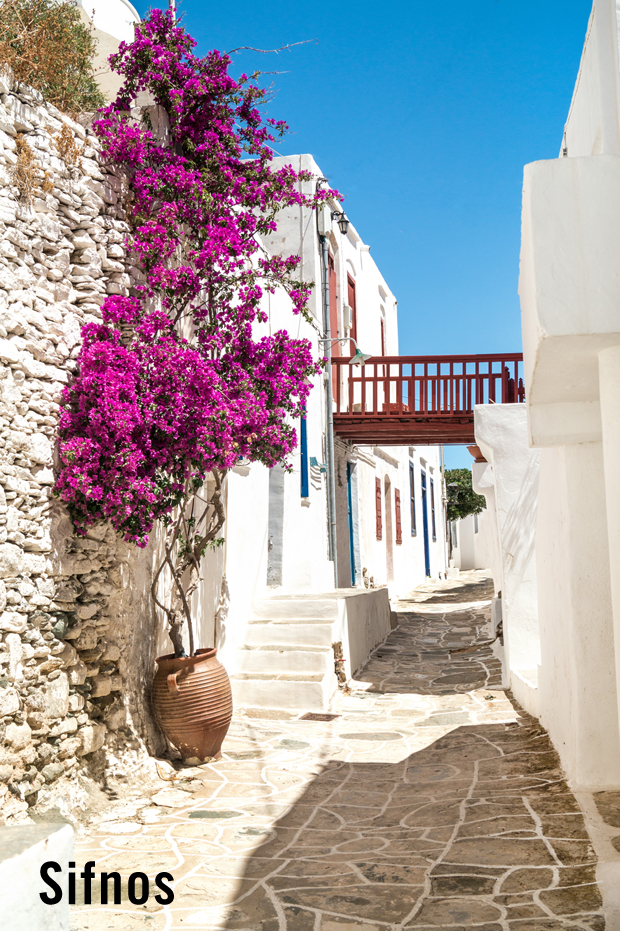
(23, 850)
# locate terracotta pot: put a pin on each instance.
(476, 453)
(192, 699)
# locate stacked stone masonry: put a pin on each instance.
(61, 252)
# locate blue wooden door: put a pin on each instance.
(427, 554)
(350, 517)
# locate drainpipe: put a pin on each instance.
(329, 402)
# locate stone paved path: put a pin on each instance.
(429, 802)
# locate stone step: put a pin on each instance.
(277, 659)
(287, 691)
(303, 634)
(294, 610)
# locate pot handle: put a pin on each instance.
(173, 685)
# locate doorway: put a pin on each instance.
(427, 553)
(350, 522)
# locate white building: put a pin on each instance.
(111, 22)
(552, 477)
(468, 542)
(284, 604)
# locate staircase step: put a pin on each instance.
(286, 691)
(278, 659)
(294, 610)
(270, 634)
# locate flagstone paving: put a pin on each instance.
(429, 802)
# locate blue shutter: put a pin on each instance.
(305, 479)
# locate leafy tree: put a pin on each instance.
(462, 499)
(47, 46)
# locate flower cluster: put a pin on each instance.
(175, 382)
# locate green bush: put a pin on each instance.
(462, 499)
(47, 46)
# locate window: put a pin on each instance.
(475, 523)
(399, 531)
(303, 448)
(412, 498)
(352, 305)
(378, 508)
(433, 525)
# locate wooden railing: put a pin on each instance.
(425, 390)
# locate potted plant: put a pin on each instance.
(175, 385)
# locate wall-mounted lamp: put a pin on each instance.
(360, 358)
(343, 223)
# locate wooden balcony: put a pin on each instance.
(401, 400)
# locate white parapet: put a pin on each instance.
(23, 851)
(570, 292)
(510, 485)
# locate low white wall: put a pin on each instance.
(464, 552)
(365, 622)
(23, 850)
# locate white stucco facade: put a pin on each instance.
(570, 299)
(509, 482)
(550, 480)
(271, 599)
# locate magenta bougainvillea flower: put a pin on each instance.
(176, 381)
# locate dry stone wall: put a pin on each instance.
(65, 690)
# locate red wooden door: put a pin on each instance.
(378, 508)
(399, 531)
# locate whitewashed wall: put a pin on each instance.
(570, 301)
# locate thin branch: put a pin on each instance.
(269, 51)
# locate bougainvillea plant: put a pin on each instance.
(175, 385)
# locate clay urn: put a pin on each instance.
(192, 700)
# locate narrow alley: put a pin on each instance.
(428, 800)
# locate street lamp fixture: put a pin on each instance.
(360, 358)
(343, 223)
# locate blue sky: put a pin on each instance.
(423, 115)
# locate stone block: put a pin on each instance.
(10, 557)
(39, 448)
(77, 674)
(18, 735)
(9, 702)
(12, 621)
(8, 352)
(52, 771)
(111, 652)
(14, 644)
(86, 611)
(57, 697)
(92, 737)
(87, 639)
(101, 686)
